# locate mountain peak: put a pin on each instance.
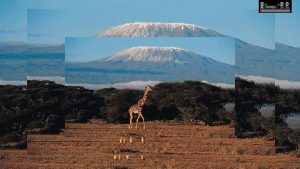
(158, 29)
(151, 54)
(154, 48)
(156, 63)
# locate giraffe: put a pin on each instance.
(138, 108)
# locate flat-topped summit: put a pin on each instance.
(158, 29)
(152, 54)
(156, 64)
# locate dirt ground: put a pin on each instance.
(95, 145)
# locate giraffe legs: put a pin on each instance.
(137, 121)
(143, 121)
(140, 115)
(130, 122)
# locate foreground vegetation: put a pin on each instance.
(250, 97)
(43, 106)
(287, 104)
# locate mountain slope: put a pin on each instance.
(155, 29)
(286, 62)
(250, 59)
(280, 63)
(153, 63)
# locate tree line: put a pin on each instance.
(44, 106)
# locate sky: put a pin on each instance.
(87, 49)
(13, 17)
(13, 20)
(13, 14)
(287, 26)
(232, 17)
(238, 18)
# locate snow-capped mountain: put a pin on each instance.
(158, 29)
(251, 59)
(153, 54)
(154, 63)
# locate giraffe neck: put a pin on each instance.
(143, 100)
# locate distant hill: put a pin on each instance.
(153, 63)
(19, 59)
(281, 63)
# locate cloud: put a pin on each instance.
(284, 84)
(222, 85)
(140, 85)
(13, 82)
(258, 79)
(126, 85)
(56, 79)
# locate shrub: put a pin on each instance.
(35, 124)
(10, 137)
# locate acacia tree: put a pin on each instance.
(287, 104)
(249, 99)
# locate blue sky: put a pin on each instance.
(13, 17)
(13, 20)
(287, 26)
(86, 49)
(239, 19)
(13, 14)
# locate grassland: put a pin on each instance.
(167, 145)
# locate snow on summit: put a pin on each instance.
(153, 54)
(158, 29)
(155, 63)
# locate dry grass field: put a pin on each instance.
(94, 144)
